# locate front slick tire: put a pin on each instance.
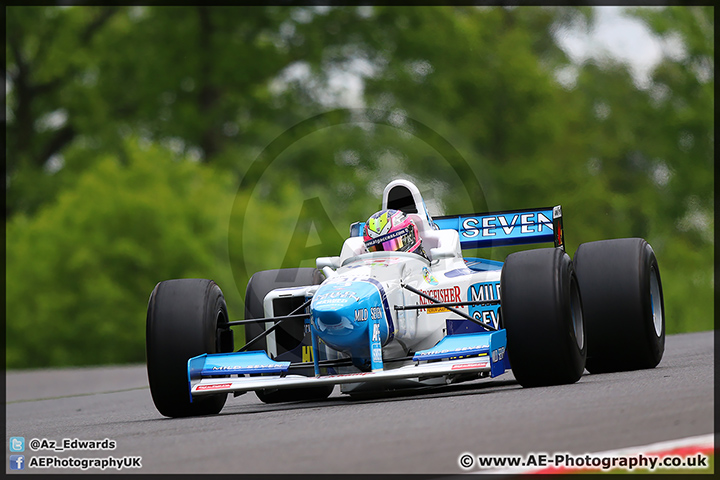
(542, 313)
(622, 295)
(182, 322)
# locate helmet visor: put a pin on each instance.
(399, 241)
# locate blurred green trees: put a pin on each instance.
(132, 131)
(80, 270)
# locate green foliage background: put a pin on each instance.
(130, 131)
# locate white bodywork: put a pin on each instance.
(445, 277)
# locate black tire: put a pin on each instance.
(542, 314)
(184, 319)
(258, 287)
(623, 301)
(263, 282)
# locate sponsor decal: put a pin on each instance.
(452, 351)
(385, 238)
(361, 314)
(383, 299)
(483, 292)
(445, 295)
(245, 367)
(377, 355)
(216, 386)
(338, 294)
(376, 332)
(469, 228)
(487, 316)
(498, 354)
(307, 353)
(469, 365)
(375, 347)
(429, 278)
(359, 374)
(490, 226)
(341, 295)
(559, 235)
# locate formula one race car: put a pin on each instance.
(379, 317)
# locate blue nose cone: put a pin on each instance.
(342, 311)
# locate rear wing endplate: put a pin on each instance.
(516, 227)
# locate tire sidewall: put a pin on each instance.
(536, 288)
(182, 323)
(654, 344)
(576, 348)
(615, 281)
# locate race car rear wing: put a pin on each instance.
(496, 229)
(516, 227)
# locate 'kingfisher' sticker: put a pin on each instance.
(443, 295)
(429, 278)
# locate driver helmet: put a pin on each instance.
(392, 231)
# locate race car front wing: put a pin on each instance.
(246, 371)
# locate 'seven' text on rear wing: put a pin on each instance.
(517, 227)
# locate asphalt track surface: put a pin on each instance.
(410, 433)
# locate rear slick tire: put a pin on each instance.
(543, 318)
(624, 308)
